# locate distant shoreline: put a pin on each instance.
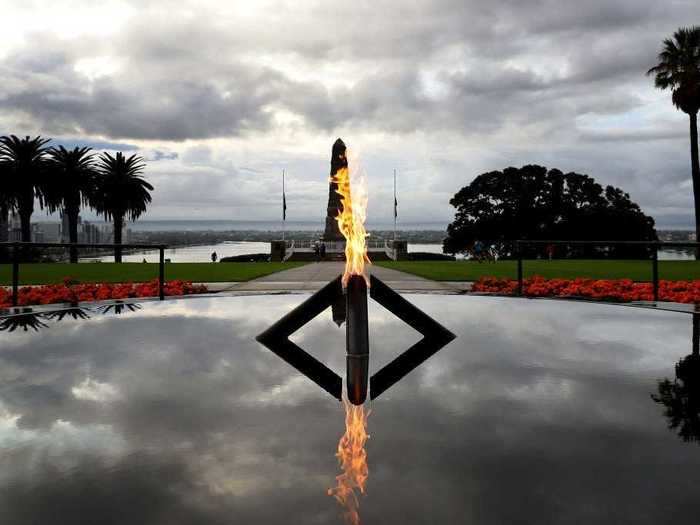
(270, 226)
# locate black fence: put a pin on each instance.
(652, 247)
(17, 248)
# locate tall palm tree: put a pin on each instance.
(73, 178)
(679, 70)
(122, 193)
(26, 160)
(681, 397)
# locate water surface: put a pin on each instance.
(539, 412)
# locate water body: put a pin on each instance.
(539, 412)
(218, 225)
(231, 248)
(192, 253)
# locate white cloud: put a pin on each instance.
(230, 94)
(92, 390)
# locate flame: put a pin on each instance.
(352, 458)
(351, 218)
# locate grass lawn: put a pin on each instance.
(567, 269)
(49, 273)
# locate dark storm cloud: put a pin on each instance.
(167, 109)
(189, 78)
(473, 85)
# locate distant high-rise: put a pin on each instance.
(14, 228)
(46, 231)
(4, 233)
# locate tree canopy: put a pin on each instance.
(679, 69)
(535, 203)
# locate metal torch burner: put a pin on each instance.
(357, 340)
(358, 383)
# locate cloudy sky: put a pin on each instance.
(219, 97)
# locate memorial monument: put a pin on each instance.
(338, 161)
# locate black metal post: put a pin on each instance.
(655, 272)
(520, 267)
(357, 340)
(15, 274)
(161, 274)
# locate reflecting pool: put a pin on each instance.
(171, 413)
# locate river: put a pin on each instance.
(231, 248)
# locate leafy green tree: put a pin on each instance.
(679, 70)
(26, 161)
(539, 204)
(73, 179)
(122, 193)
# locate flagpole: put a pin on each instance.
(284, 204)
(395, 208)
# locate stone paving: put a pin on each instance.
(311, 277)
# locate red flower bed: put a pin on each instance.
(70, 292)
(621, 290)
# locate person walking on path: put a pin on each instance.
(317, 251)
(323, 251)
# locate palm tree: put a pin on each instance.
(681, 397)
(121, 192)
(26, 160)
(73, 183)
(679, 70)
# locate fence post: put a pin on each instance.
(655, 272)
(520, 267)
(15, 274)
(161, 274)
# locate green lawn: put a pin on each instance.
(47, 273)
(568, 269)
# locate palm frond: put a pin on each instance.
(678, 68)
(122, 191)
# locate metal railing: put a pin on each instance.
(17, 246)
(334, 246)
(654, 259)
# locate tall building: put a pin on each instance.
(46, 231)
(14, 228)
(3, 228)
(91, 234)
(65, 230)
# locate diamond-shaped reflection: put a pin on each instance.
(276, 338)
(435, 337)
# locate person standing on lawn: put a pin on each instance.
(478, 250)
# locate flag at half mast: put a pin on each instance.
(396, 203)
(284, 200)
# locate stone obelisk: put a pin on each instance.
(338, 160)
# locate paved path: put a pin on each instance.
(312, 277)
